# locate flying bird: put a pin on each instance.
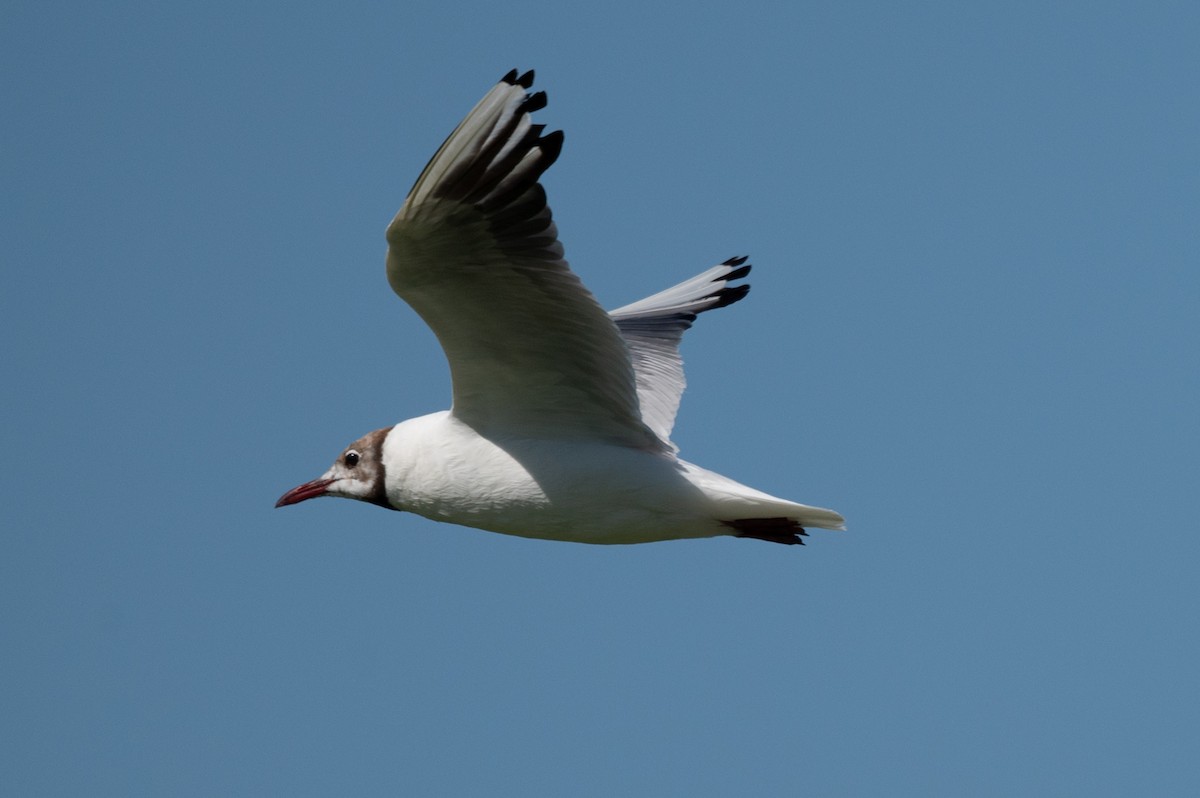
(562, 413)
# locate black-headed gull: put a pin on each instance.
(562, 413)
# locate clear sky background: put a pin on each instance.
(973, 331)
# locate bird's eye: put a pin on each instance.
(351, 458)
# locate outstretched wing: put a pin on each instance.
(653, 327)
(474, 251)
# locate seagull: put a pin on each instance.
(561, 417)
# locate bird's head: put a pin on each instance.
(357, 473)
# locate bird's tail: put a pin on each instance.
(751, 513)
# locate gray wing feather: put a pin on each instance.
(654, 326)
(475, 252)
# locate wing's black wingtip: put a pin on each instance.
(551, 145)
(737, 273)
(514, 78)
(534, 102)
(728, 295)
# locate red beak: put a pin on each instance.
(309, 490)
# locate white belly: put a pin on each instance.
(563, 490)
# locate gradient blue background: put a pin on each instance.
(973, 331)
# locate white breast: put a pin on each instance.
(585, 491)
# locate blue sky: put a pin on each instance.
(972, 331)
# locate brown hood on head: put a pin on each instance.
(370, 447)
(362, 477)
